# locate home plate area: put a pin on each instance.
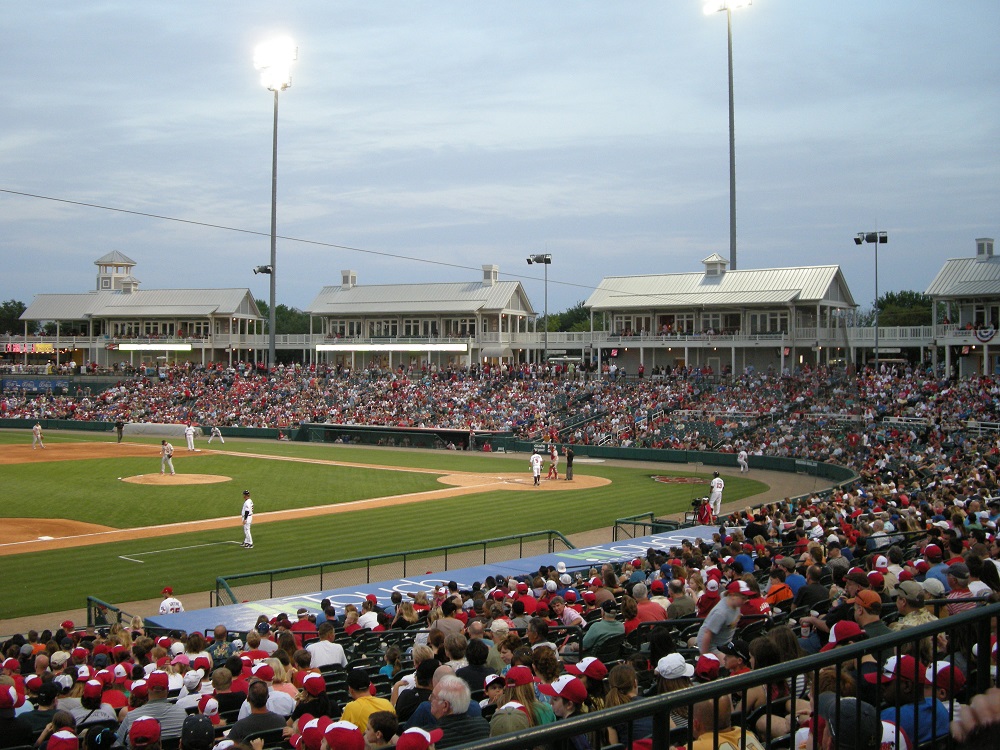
(517, 481)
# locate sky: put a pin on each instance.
(419, 141)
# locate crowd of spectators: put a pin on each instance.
(914, 540)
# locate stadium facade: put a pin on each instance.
(716, 318)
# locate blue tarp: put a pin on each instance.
(243, 616)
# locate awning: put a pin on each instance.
(495, 352)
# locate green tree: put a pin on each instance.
(10, 311)
(286, 319)
(904, 308)
(576, 318)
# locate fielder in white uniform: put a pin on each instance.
(189, 436)
(715, 499)
(536, 467)
(216, 433)
(36, 436)
(166, 457)
(741, 459)
(247, 519)
(170, 604)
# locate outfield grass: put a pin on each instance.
(40, 582)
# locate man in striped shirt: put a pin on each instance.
(958, 581)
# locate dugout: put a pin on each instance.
(401, 437)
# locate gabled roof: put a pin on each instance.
(394, 299)
(151, 303)
(757, 287)
(114, 258)
(967, 277)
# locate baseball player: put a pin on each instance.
(216, 433)
(535, 462)
(119, 428)
(166, 457)
(553, 463)
(189, 436)
(170, 604)
(715, 499)
(247, 519)
(741, 459)
(36, 436)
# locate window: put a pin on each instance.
(711, 321)
(768, 322)
(383, 328)
(684, 322)
(345, 328)
(460, 327)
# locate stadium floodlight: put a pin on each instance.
(717, 6)
(876, 239)
(274, 61)
(546, 260)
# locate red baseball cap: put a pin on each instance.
(905, 666)
(739, 586)
(843, 632)
(144, 731)
(158, 680)
(519, 676)
(566, 687)
(589, 666)
(416, 738)
(343, 735)
(64, 739)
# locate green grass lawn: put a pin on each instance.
(89, 491)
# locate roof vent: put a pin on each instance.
(715, 265)
(491, 274)
(984, 247)
(348, 280)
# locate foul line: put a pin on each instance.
(172, 549)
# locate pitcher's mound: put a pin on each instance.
(522, 482)
(174, 480)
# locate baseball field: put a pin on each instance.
(88, 516)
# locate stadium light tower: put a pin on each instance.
(546, 260)
(274, 61)
(876, 239)
(717, 6)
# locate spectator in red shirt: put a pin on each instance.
(647, 611)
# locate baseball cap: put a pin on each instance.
(932, 552)
(942, 674)
(853, 724)
(343, 735)
(139, 688)
(866, 598)
(416, 738)
(59, 658)
(10, 697)
(551, 586)
(314, 684)
(158, 680)
(904, 666)
(198, 731)
(565, 579)
(517, 676)
(93, 689)
(167, 591)
(843, 632)
(712, 585)
(858, 577)
(707, 668)
(499, 626)
(933, 587)
(910, 590)
(739, 586)
(491, 678)
(64, 739)
(47, 692)
(881, 563)
(246, 492)
(737, 647)
(144, 731)
(193, 678)
(657, 586)
(566, 687)
(673, 666)
(208, 705)
(311, 731)
(876, 580)
(561, 566)
(590, 666)
(958, 570)
(265, 672)
(609, 606)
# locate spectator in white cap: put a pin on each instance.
(674, 673)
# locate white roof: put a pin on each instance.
(967, 277)
(754, 287)
(394, 299)
(147, 303)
